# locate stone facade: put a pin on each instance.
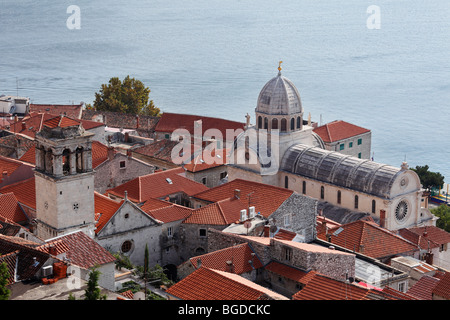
(210, 177)
(129, 231)
(64, 181)
(297, 214)
(303, 256)
(118, 169)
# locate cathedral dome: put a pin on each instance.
(279, 96)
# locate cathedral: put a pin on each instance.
(282, 149)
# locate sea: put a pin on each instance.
(381, 64)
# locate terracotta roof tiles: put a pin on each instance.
(238, 255)
(24, 192)
(157, 185)
(442, 288)
(173, 121)
(369, 239)
(321, 287)
(423, 289)
(84, 251)
(265, 198)
(10, 208)
(210, 284)
(339, 130)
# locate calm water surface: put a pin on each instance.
(213, 57)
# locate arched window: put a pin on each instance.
(304, 187)
(266, 123)
(298, 122)
(374, 206)
(339, 197)
(66, 161)
(259, 122)
(322, 192)
(286, 182)
(356, 202)
(79, 159)
(283, 125)
(274, 123)
(292, 124)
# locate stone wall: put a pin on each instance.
(298, 214)
(212, 176)
(329, 262)
(110, 174)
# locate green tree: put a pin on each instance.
(443, 213)
(127, 96)
(92, 291)
(4, 277)
(429, 179)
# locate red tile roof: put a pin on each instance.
(208, 159)
(84, 251)
(157, 185)
(423, 288)
(210, 284)
(222, 212)
(161, 150)
(339, 130)
(238, 255)
(105, 208)
(61, 122)
(25, 192)
(99, 154)
(442, 288)
(290, 272)
(10, 208)
(166, 214)
(265, 198)
(172, 121)
(429, 236)
(369, 239)
(34, 122)
(73, 111)
(8, 166)
(321, 287)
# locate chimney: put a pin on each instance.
(382, 218)
(230, 266)
(237, 193)
(24, 125)
(110, 153)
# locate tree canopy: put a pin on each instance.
(443, 213)
(127, 96)
(4, 276)
(429, 179)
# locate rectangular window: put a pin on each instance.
(359, 141)
(202, 233)
(359, 155)
(122, 164)
(287, 253)
(350, 144)
(287, 220)
(341, 146)
(401, 287)
(204, 181)
(170, 232)
(167, 136)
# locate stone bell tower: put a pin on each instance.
(64, 179)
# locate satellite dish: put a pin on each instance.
(247, 224)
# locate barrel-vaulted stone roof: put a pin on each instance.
(341, 170)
